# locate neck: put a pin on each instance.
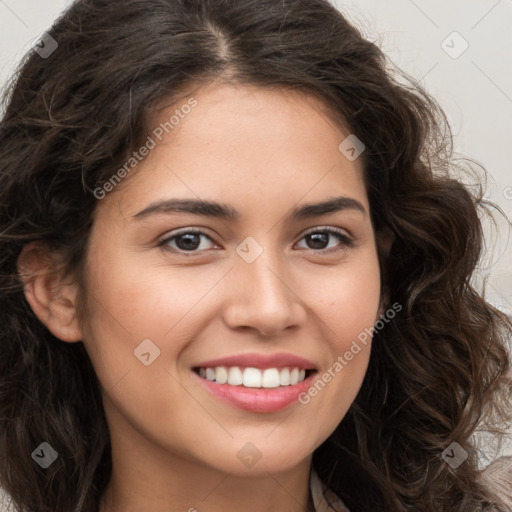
(146, 477)
(196, 490)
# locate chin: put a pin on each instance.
(246, 458)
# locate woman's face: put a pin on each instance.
(172, 291)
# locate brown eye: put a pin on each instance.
(186, 241)
(319, 239)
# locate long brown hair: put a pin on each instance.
(438, 370)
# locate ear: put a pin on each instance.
(51, 296)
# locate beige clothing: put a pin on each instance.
(324, 500)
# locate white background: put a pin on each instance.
(474, 89)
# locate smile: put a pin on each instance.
(254, 377)
(261, 383)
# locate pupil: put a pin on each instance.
(321, 238)
(189, 244)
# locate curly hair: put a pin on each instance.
(438, 371)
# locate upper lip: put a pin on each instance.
(261, 361)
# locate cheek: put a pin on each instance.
(358, 305)
(358, 310)
(347, 299)
(128, 302)
(348, 307)
(145, 298)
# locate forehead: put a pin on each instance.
(229, 113)
(240, 141)
(242, 99)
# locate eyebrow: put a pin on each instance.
(228, 213)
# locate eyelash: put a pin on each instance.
(347, 241)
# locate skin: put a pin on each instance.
(264, 152)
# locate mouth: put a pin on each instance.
(260, 383)
(251, 377)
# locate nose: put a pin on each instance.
(262, 297)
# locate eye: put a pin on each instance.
(319, 239)
(191, 241)
(186, 241)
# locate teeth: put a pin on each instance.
(254, 377)
(284, 377)
(221, 375)
(271, 378)
(235, 376)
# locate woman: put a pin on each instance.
(318, 347)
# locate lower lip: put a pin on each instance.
(257, 399)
